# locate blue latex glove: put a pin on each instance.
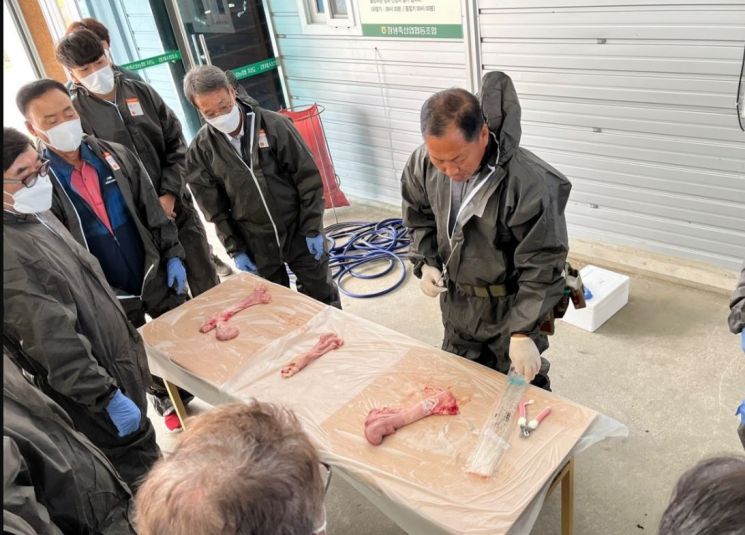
(244, 263)
(124, 413)
(176, 274)
(315, 246)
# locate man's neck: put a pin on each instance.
(111, 96)
(74, 158)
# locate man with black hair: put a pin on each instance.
(63, 321)
(130, 112)
(102, 32)
(104, 196)
(488, 229)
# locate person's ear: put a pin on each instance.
(484, 135)
(31, 129)
(71, 76)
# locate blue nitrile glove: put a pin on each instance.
(315, 246)
(124, 413)
(588, 294)
(741, 411)
(244, 263)
(176, 274)
(742, 340)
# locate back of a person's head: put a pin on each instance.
(101, 31)
(238, 469)
(709, 499)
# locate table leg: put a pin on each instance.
(178, 405)
(567, 500)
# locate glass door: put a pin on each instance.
(230, 34)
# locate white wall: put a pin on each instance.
(634, 101)
(372, 90)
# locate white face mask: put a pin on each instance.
(100, 82)
(227, 123)
(37, 198)
(65, 137)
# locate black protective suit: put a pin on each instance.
(50, 467)
(265, 207)
(509, 238)
(63, 319)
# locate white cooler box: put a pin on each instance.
(610, 292)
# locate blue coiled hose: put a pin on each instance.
(358, 243)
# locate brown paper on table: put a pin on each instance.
(421, 466)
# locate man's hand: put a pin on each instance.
(244, 263)
(315, 246)
(432, 283)
(524, 356)
(124, 414)
(176, 274)
(168, 202)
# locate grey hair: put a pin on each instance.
(204, 79)
(238, 469)
(709, 499)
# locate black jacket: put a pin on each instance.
(142, 122)
(257, 207)
(53, 469)
(68, 329)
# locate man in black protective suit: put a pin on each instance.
(255, 179)
(488, 228)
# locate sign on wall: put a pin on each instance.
(427, 19)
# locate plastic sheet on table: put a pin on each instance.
(420, 469)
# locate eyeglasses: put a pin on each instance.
(30, 179)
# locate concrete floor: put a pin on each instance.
(665, 365)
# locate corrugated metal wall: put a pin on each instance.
(634, 100)
(372, 90)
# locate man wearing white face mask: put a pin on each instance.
(103, 195)
(255, 179)
(130, 112)
(63, 319)
(102, 32)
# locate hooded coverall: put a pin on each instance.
(504, 258)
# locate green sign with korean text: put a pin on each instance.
(255, 68)
(424, 19)
(171, 55)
